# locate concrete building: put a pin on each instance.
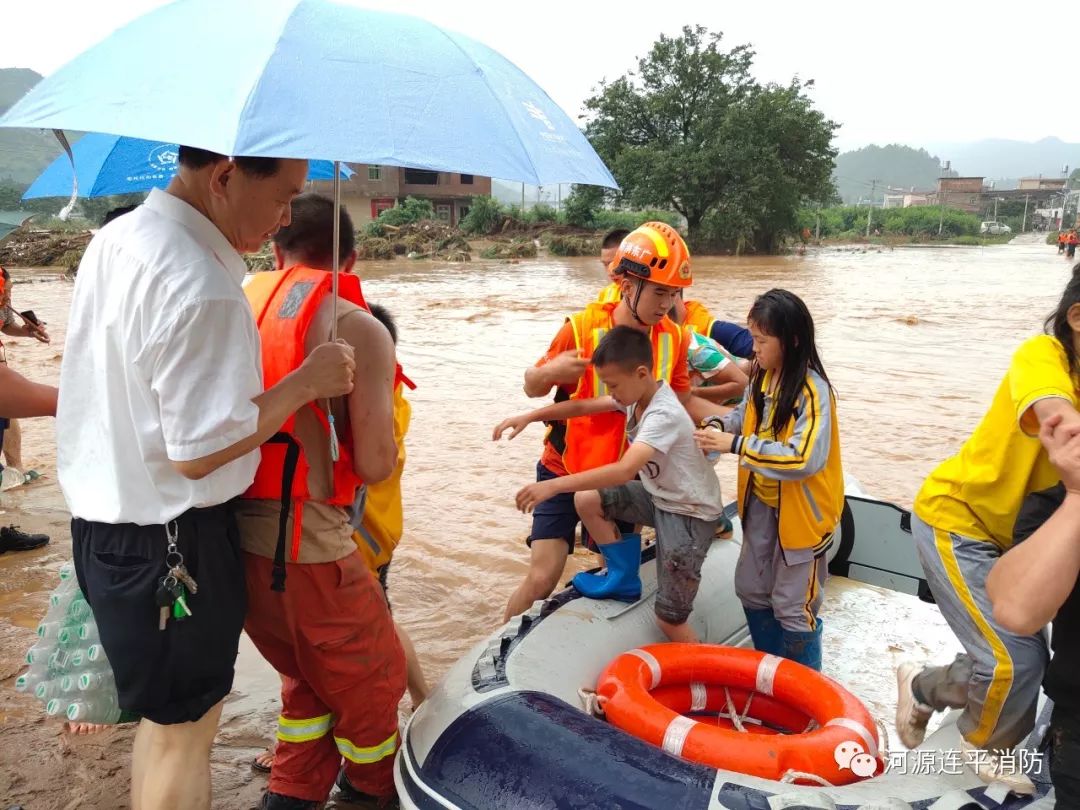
(373, 189)
(1042, 183)
(961, 193)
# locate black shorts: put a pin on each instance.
(175, 675)
(557, 519)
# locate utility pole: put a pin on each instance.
(558, 199)
(941, 197)
(1023, 226)
(995, 208)
(870, 208)
(523, 199)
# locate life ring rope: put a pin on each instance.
(778, 720)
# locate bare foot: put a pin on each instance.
(84, 728)
(265, 761)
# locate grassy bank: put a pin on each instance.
(846, 224)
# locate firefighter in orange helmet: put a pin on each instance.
(652, 264)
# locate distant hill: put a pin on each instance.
(23, 152)
(893, 166)
(998, 159)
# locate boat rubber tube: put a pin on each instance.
(844, 748)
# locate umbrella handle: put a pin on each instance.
(335, 450)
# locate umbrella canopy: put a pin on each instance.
(110, 164)
(316, 79)
(10, 220)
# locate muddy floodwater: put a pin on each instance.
(915, 340)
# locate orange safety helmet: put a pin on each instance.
(655, 252)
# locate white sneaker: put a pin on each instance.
(911, 715)
(987, 767)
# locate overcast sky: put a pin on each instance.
(905, 71)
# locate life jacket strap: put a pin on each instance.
(292, 459)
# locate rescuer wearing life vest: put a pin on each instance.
(328, 631)
(652, 265)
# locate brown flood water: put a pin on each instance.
(915, 341)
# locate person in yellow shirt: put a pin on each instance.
(962, 523)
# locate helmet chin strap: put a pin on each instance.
(637, 300)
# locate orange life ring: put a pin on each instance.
(646, 692)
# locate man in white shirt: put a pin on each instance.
(160, 410)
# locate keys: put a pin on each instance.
(180, 609)
(184, 576)
(164, 599)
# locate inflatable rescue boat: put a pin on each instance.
(529, 718)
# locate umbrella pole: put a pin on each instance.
(335, 451)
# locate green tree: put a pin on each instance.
(691, 130)
(485, 215)
(583, 205)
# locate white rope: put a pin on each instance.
(790, 776)
(592, 702)
(883, 740)
(736, 718)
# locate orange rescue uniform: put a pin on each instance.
(329, 633)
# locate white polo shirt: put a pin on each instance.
(161, 362)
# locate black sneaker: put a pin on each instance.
(350, 795)
(279, 801)
(11, 539)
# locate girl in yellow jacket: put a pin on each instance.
(791, 484)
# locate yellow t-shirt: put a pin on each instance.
(612, 293)
(383, 521)
(978, 492)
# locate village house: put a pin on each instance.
(373, 189)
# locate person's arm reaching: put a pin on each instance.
(802, 455)
(196, 370)
(371, 403)
(1031, 581)
(20, 398)
(326, 373)
(562, 365)
(610, 475)
(557, 412)
(728, 383)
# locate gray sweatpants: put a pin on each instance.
(681, 545)
(997, 681)
(793, 587)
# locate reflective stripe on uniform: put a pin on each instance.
(305, 729)
(665, 356)
(599, 389)
(369, 755)
(1002, 679)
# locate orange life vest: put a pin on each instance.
(599, 439)
(1072, 239)
(284, 303)
(698, 318)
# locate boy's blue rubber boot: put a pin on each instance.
(765, 630)
(804, 648)
(622, 580)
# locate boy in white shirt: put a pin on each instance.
(677, 491)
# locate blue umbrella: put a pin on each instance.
(110, 164)
(316, 79)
